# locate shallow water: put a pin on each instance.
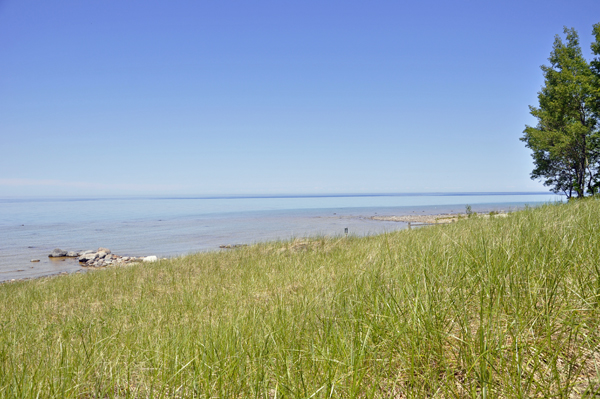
(31, 228)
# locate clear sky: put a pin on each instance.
(106, 97)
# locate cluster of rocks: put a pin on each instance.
(100, 258)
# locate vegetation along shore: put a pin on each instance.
(483, 307)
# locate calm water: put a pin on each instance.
(31, 228)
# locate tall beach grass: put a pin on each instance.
(484, 307)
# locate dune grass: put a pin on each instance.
(484, 307)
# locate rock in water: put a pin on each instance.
(72, 254)
(150, 259)
(104, 250)
(57, 253)
(88, 257)
(35, 260)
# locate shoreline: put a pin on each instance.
(429, 219)
(168, 229)
(440, 218)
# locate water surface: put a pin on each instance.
(31, 228)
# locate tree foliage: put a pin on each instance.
(565, 143)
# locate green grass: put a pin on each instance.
(484, 307)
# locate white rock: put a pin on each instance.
(150, 259)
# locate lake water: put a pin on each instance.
(166, 227)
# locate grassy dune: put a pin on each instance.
(496, 307)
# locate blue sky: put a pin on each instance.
(272, 97)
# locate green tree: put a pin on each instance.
(595, 67)
(565, 142)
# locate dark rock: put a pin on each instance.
(88, 257)
(57, 253)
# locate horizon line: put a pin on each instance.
(274, 196)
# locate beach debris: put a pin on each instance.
(57, 253)
(34, 260)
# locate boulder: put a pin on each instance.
(35, 260)
(72, 254)
(57, 253)
(150, 259)
(104, 250)
(101, 254)
(89, 251)
(88, 257)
